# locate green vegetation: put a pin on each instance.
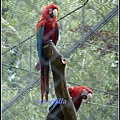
(94, 65)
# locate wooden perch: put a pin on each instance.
(58, 64)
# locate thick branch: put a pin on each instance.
(58, 69)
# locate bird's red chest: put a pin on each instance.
(76, 98)
(49, 33)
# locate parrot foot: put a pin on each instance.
(37, 67)
(49, 42)
(42, 98)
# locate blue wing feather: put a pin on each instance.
(40, 42)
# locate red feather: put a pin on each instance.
(51, 28)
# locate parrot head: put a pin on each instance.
(78, 93)
(50, 12)
(86, 93)
(82, 92)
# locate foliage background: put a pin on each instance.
(95, 64)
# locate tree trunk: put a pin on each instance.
(58, 64)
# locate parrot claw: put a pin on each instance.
(49, 42)
(42, 98)
(37, 66)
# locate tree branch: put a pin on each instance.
(58, 64)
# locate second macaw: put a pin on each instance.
(47, 29)
(77, 93)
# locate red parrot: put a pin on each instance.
(77, 93)
(47, 29)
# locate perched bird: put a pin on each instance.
(77, 93)
(47, 29)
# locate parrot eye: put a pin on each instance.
(51, 15)
(50, 10)
(84, 97)
(84, 94)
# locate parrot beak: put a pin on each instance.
(89, 96)
(55, 12)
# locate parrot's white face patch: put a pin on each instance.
(85, 92)
(50, 10)
(88, 95)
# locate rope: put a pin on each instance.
(19, 68)
(19, 95)
(111, 93)
(110, 106)
(105, 20)
(18, 44)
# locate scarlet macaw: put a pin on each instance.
(47, 29)
(77, 93)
